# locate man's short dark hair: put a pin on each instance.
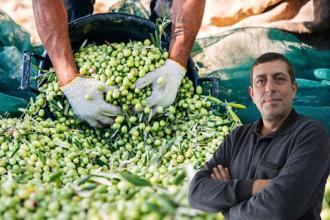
(271, 56)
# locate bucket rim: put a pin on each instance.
(112, 14)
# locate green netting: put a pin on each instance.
(11, 62)
(11, 34)
(13, 42)
(229, 56)
(8, 103)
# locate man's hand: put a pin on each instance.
(165, 82)
(259, 185)
(220, 173)
(86, 97)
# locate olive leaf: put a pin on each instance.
(134, 179)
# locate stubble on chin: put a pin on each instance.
(273, 114)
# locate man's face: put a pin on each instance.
(272, 90)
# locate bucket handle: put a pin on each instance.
(27, 57)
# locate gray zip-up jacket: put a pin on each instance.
(296, 157)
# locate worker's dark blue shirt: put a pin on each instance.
(80, 8)
(296, 157)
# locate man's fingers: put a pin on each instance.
(227, 171)
(223, 173)
(145, 81)
(104, 120)
(93, 123)
(153, 99)
(110, 110)
(141, 83)
(217, 174)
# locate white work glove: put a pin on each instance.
(165, 81)
(86, 97)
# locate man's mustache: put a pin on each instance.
(268, 98)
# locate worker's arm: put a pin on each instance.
(52, 25)
(186, 20)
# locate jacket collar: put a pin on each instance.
(285, 128)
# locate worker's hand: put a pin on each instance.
(220, 173)
(165, 81)
(86, 97)
(259, 185)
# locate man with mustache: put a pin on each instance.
(275, 168)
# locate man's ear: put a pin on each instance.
(294, 89)
(251, 93)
